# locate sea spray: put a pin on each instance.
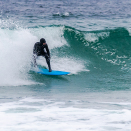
(16, 49)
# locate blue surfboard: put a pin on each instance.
(53, 72)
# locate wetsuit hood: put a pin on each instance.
(42, 40)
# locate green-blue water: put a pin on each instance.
(91, 39)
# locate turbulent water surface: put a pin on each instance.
(89, 38)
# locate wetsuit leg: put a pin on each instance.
(48, 62)
(34, 60)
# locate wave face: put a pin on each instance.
(71, 50)
(106, 47)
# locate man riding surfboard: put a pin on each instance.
(41, 49)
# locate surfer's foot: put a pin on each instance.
(50, 70)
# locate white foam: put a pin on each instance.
(16, 49)
(93, 37)
(65, 14)
(9, 24)
(49, 115)
(64, 64)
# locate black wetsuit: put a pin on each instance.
(39, 49)
(42, 50)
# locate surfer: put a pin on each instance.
(41, 49)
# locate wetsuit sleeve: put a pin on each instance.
(47, 49)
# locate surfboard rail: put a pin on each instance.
(53, 72)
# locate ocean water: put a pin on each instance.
(89, 38)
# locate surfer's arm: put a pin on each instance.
(47, 49)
